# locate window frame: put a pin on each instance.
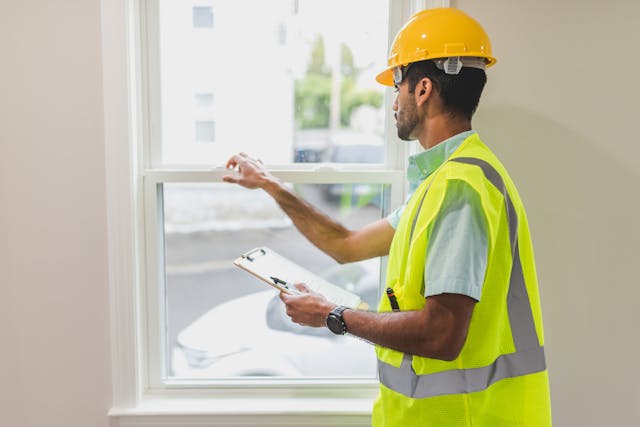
(131, 117)
(153, 292)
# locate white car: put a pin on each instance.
(253, 336)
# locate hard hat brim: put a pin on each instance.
(386, 77)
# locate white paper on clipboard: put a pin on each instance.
(265, 263)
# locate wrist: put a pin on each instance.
(335, 321)
(328, 309)
(272, 185)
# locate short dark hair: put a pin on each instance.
(460, 93)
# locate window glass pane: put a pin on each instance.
(223, 322)
(205, 131)
(293, 80)
(204, 100)
(202, 17)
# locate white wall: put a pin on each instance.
(560, 116)
(54, 336)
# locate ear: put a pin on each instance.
(423, 91)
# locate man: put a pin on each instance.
(464, 345)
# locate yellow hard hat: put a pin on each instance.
(439, 33)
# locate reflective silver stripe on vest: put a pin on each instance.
(403, 380)
(528, 357)
(520, 314)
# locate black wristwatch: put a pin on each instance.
(335, 322)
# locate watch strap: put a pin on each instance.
(339, 310)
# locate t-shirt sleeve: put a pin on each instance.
(394, 217)
(456, 258)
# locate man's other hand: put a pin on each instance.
(251, 172)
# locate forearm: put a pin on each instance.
(407, 331)
(331, 237)
(392, 330)
(438, 330)
(325, 233)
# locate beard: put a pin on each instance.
(406, 122)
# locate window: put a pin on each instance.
(291, 82)
(204, 100)
(202, 17)
(205, 131)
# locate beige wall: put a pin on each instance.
(561, 108)
(559, 115)
(54, 330)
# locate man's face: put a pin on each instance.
(406, 113)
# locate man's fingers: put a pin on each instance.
(231, 179)
(240, 159)
(302, 287)
(284, 296)
(234, 161)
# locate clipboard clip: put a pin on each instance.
(253, 254)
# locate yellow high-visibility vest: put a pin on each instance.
(500, 377)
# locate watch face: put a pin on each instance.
(335, 325)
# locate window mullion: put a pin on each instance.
(153, 311)
(323, 176)
(150, 63)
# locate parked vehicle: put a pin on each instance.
(253, 336)
(348, 148)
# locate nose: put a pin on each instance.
(395, 104)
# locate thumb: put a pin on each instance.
(231, 179)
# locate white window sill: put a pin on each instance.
(216, 411)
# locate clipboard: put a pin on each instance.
(266, 264)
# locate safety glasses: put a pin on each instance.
(399, 73)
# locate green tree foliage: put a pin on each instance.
(313, 92)
(313, 95)
(317, 64)
(352, 98)
(347, 66)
